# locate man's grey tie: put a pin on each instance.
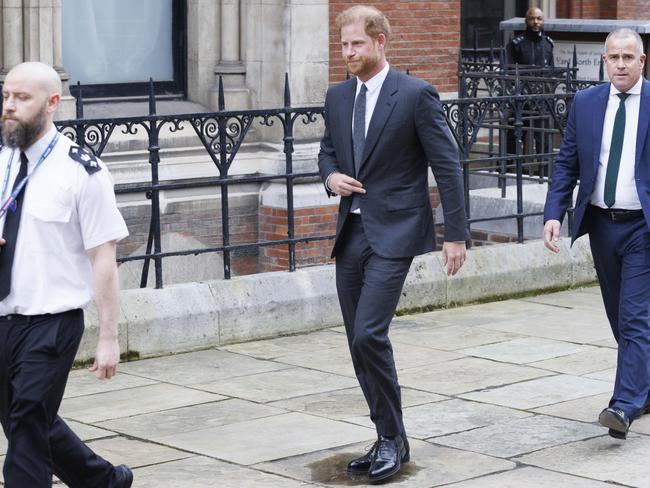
(358, 136)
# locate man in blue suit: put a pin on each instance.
(383, 129)
(605, 147)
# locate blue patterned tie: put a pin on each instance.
(615, 150)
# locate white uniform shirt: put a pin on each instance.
(626, 193)
(66, 211)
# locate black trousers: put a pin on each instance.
(369, 287)
(36, 354)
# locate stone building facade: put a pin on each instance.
(251, 44)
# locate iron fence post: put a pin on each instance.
(519, 147)
(288, 154)
(154, 160)
(222, 123)
(80, 131)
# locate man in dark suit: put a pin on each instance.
(533, 47)
(382, 130)
(605, 147)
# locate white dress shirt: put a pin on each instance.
(373, 85)
(66, 211)
(626, 193)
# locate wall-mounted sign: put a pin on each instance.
(589, 56)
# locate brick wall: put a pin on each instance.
(633, 9)
(608, 9)
(425, 41)
(585, 9)
(604, 9)
(308, 222)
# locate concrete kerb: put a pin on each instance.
(192, 316)
(507, 270)
(278, 303)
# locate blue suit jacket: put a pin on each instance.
(580, 153)
(407, 134)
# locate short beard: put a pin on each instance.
(24, 134)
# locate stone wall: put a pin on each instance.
(181, 318)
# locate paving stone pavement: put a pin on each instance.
(503, 394)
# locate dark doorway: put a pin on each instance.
(480, 20)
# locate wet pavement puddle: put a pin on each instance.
(332, 471)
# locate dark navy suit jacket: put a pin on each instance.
(407, 134)
(580, 153)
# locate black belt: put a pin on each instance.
(16, 317)
(618, 214)
(28, 319)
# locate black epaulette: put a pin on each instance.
(550, 40)
(86, 158)
(517, 39)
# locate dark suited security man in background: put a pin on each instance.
(605, 146)
(383, 129)
(532, 48)
(57, 250)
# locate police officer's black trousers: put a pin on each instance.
(369, 287)
(36, 354)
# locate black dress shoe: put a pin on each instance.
(122, 477)
(361, 465)
(389, 456)
(616, 421)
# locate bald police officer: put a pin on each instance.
(60, 224)
(533, 47)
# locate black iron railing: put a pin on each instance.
(479, 126)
